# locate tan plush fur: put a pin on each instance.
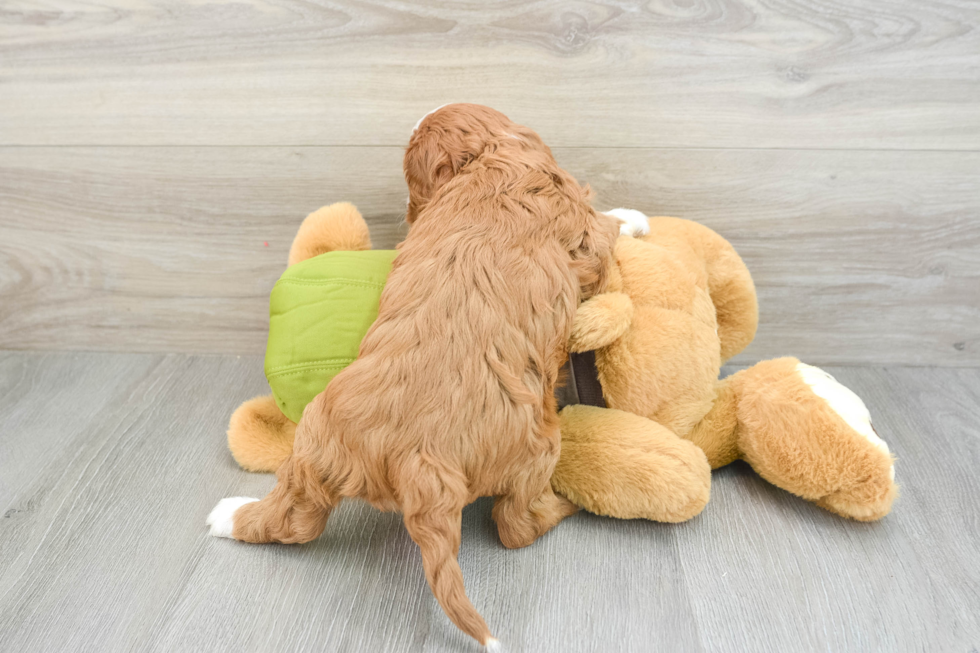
(260, 437)
(825, 460)
(452, 394)
(646, 471)
(601, 322)
(338, 227)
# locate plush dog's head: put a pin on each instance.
(450, 137)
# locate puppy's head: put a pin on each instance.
(449, 138)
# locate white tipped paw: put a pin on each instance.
(222, 518)
(633, 222)
(843, 401)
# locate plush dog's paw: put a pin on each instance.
(843, 401)
(633, 222)
(222, 518)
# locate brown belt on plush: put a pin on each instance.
(581, 382)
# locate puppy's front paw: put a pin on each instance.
(633, 222)
(222, 518)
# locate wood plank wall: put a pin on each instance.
(150, 150)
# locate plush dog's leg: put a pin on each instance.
(802, 431)
(295, 511)
(717, 432)
(805, 432)
(626, 466)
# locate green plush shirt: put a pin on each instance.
(319, 311)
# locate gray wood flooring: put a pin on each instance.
(109, 464)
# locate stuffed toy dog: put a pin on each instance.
(645, 416)
(682, 304)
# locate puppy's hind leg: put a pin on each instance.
(523, 515)
(531, 508)
(295, 511)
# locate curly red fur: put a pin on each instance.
(452, 395)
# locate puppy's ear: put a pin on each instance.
(427, 167)
(436, 153)
(592, 256)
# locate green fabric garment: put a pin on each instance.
(319, 311)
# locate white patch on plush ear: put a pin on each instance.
(222, 518)
(844, 402)
(415, 128)
(634, 223)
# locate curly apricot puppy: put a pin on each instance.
(452, 395)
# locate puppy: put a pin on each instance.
(452, 395)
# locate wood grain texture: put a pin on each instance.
(859, 257)
(103, 546)
(36, 394)
(703, 73)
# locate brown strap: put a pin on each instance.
(581, 382)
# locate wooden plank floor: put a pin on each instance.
(110, 462)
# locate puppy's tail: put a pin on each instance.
(436, 528)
